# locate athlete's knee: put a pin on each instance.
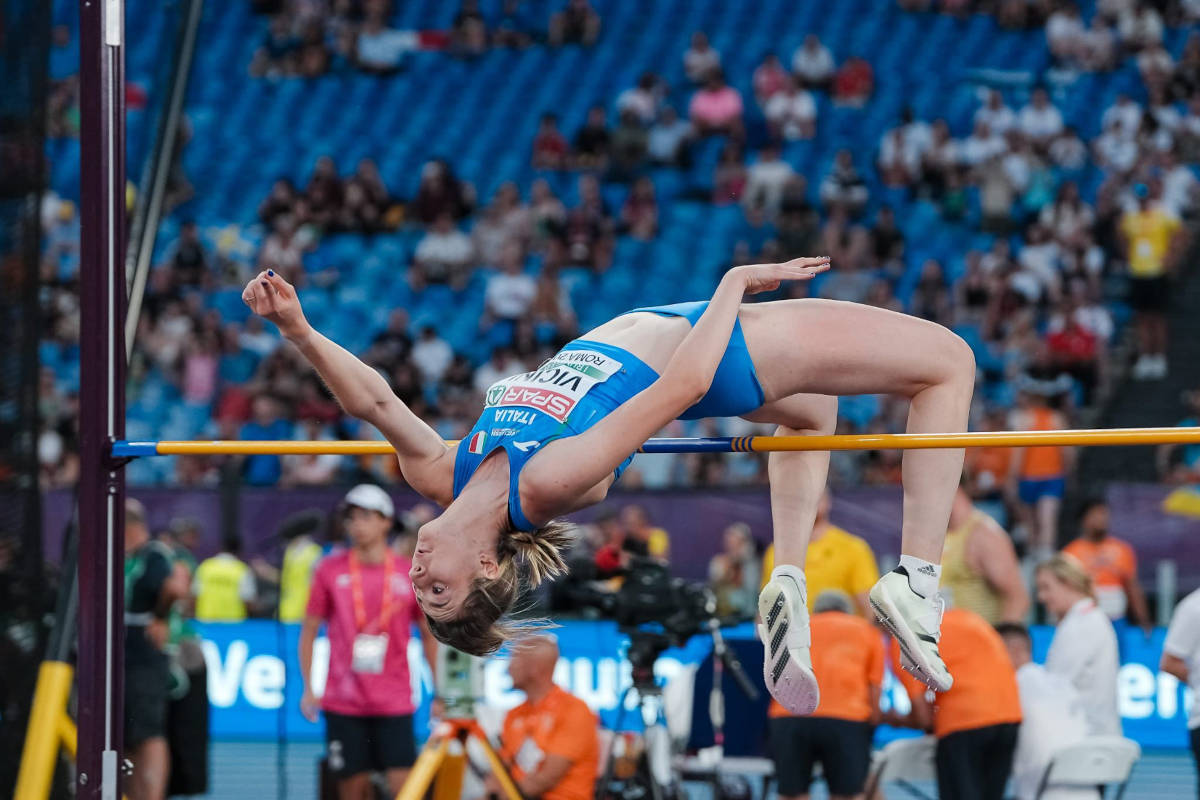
(957, 360)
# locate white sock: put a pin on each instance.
(923, 576)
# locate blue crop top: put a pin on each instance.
(565, 396)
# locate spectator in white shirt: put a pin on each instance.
(902, 150)
(1113, 150)
(1155, 65)
(1084, 647)
(378, 48)
(1181, 189)
(1068, 217)
(982, 145)
(813, 64)
(1040, 257)
(998, 117)
(643, 100)
(444, 255)
(1181, 658)
(1140, 27)
(1040, 120)
(1064, 33)
(431, 355)
(1068, 151)
(1052, 717)
(792, 114)
(1098, 48)
(510, 291)
(700, 59)
(1124, 116)
(502, 364)
(310, 470)
(842, 186)
(667, 141)
(765, 180)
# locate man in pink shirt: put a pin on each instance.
(717, 108)
(364, 598)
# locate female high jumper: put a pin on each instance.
(554, 440)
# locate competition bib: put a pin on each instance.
(557, 386)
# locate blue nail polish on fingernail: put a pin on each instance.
(271, 272)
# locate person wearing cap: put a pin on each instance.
(363, 596)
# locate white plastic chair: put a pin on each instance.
(1096, 761)
(905, 762)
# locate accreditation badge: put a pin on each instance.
(370, 651)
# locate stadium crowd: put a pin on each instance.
(1037, 305)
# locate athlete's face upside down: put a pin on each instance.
(448, 563)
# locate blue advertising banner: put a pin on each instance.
(254, 686)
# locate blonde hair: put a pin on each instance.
(479, 628)
(1070, 572)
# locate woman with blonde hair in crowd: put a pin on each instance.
(1084, 648)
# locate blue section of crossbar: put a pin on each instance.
(126, 449)
(708, 444)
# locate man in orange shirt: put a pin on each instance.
(1112, 563)
(549, 742)
(1037, 475)
(976, 722)
(848, 663)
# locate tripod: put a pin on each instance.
(653, 769)
(443, 759)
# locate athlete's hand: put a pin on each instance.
(274, 299)
(757, 278)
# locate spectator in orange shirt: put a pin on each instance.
(1112, 563)
(1038, 475)
(549, 742)
(976, 722)
(987, 471)
(848, 662)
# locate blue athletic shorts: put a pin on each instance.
(1032, 491)
(735, 389)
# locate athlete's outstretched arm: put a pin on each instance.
(566, 469)
(360, 390)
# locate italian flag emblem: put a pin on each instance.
(476, 444)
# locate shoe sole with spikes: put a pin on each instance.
(787, 664)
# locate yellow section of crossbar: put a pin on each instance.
(883, 441)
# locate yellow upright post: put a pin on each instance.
(46, 730)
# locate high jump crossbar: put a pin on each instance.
(723, 444)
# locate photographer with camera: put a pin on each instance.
(365, 599)
(549, 742)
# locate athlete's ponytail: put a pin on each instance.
(479, 628)
(540, 551)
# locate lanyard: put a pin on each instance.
(385, 606)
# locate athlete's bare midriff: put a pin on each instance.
(651, 337)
